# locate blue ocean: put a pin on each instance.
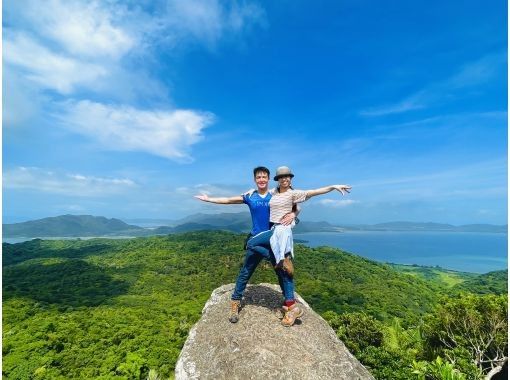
(460, 251)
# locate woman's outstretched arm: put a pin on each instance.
(221, 200)
(344, 189)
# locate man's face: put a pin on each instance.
(261, 179)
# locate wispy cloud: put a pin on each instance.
(64, 42)
(22, 96)
(166, 133)
(337, 203)
(85, 29)
(183, 198)
(413, 102)
(207, 22)
(478, 72)
(75, 185)
(66, 46)
(48, 69)
(74, 208)
(483, 179)
(80, 28)
(470, 75)
(211, 189)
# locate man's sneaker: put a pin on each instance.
(235, 305)
(293, 313)
(288, 266)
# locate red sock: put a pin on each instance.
(289, 303)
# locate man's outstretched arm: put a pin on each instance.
(221, 200)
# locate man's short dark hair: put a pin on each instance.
(260, 169)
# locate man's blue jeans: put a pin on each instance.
(261, 243)
(258, 248)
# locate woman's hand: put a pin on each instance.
(287, 219)
(344, 189)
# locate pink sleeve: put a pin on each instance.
(298, 196)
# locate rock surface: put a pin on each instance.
(259, 347)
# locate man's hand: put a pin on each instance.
(202, 197)
(287, 219)
(344, 189)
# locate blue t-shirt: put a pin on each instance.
(259, 210)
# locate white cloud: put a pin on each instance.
(208, 21)
(73, 208)
(59, 44)
(21, 97)
(337, 203)
(200, 19)
(165, 133)
(82, 28)
(32, 178)
(85, 29)
(65, 45)
(49, 70)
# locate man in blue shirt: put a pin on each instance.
(258, 203)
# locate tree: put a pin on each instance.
(437, 370)
(356, 330)
(473, 324)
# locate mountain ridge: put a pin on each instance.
(88, 225)
(68, 225)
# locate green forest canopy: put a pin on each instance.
(117, 308)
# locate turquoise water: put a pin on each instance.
(461, 251)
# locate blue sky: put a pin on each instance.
(127, 109)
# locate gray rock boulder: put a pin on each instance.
(259, 347)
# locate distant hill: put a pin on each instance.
(241, 222)
(495, 282)
(235, 222)
(151, 222)
(428, 226)
(445, 278)
(220, 219)
(488, 283)
(88, 225)
(70, 225)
